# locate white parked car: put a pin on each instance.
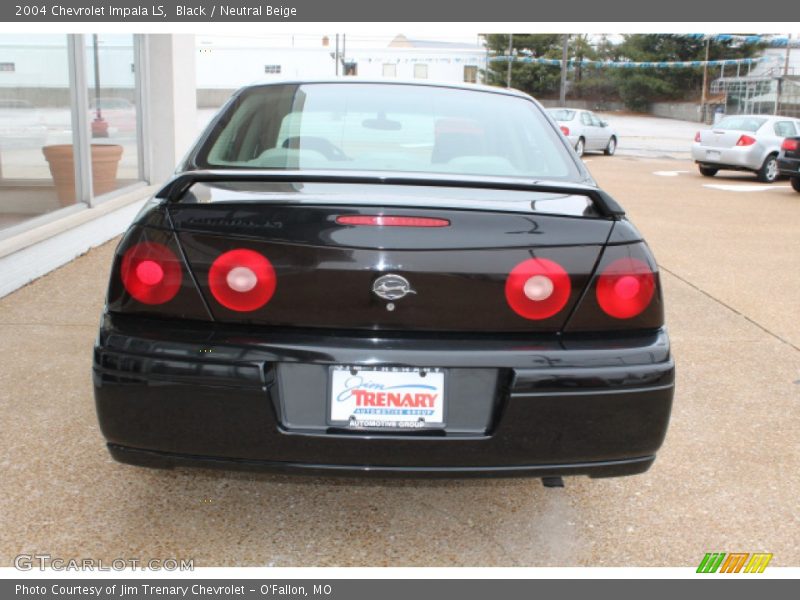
(585, 130)
(744, 143)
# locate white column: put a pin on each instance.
(170, 97)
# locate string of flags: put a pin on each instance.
(775, 41)
(555, 62)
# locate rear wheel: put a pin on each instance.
(707, 171)
(612, 147)
(769, 170)
(580, 146)
(795, 183)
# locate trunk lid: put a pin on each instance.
(722, 138)
(326, 272)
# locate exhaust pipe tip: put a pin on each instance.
(553, 482)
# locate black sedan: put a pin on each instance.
(390, 278)
(789, 161)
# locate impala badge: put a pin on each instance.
(392, 287)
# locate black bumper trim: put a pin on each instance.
(167, 460)
(556, 406)
(790, 167)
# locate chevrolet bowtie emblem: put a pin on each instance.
(392, 287)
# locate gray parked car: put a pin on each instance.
(585, 130)
(743, 143)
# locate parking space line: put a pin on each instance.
(669, 173)
(744, 187)
(729, 307)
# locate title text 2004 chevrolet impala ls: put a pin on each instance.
(353, 277)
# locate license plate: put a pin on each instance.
(387, 397)
(713, 154)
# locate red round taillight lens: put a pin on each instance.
(151, 273)
(242, 280)
(537, 288)
(625, 288)
(565, 130)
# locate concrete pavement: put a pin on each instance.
(726, 479)
(654, 137)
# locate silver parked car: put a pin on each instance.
(585, 130)
(743, 143)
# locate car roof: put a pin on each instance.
(375, 81)
(767, 117)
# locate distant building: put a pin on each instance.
(768, 87)
(225, 64)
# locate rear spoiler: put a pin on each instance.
(174, 189)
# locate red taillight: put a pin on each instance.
(565, 130)
(151, 273)
(242, 280)
(745, 140)
(697, 137)
(391, 221)
(625, 288)
(790, 144)
(537, 288)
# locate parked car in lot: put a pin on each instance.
(743, 143)
(381, 278)
(586, 131)
(789, 161)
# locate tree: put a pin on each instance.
(637, 88)
(532, 78)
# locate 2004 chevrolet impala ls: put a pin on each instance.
(352, 277)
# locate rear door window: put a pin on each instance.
(785, 129)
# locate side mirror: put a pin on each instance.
(603, 123)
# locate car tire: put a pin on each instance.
(611, 147)
(769, 170)
(580, 146)
(707, 171)
(795, 181)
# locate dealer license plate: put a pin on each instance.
(387, 397)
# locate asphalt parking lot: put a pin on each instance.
(726, 479)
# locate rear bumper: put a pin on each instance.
(790, 167)
(167, 460)
(738, 157)
(171, 393)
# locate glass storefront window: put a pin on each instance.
(112, 111)
(40, 125)
(34, 114)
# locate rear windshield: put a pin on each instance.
(386, 127)
(563, 114)
(741, 123)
